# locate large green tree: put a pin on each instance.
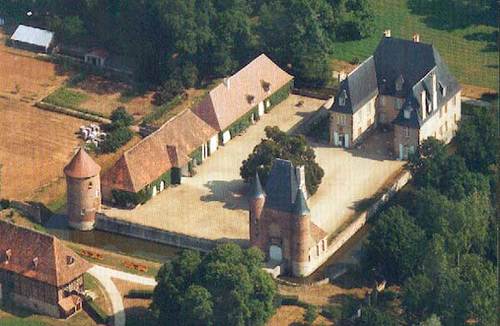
(225, 287)
(279, 144)
(395, 245)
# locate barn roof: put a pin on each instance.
(38, 256)
(82, 166)
(33, 35)
(240, 92)
(164, 149)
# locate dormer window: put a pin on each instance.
(266, 86)
(35, 263)
(70, 260)
(250, 98)
(342, 98)
(8, 255)
(407, 113)
(442, 89)
(399, 83)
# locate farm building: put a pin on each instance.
(243, 97)
(32, 39)
(38, 272)
(96, 57)
(158, 160)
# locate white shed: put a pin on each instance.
(32, 38)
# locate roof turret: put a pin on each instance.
(257, 191)
(300, 207)
(82, 166)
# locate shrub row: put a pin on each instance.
(70, 112)
(95, 311)
(4, 204)
(160, 111)
(140, 294)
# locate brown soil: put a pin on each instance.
(136, 310)
(294, 316)
(104, 96)
(339, 65)
(322, 294)
(476, 92)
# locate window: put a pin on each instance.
(317, 250)
(407, 132)
(446, 108)
(399, 103)
(341, 119)
(90, 185)
(82, 212)
(455, 118)
(407, 114)
(441, 112)
(382, 100)
(446, 125)
(455, 100)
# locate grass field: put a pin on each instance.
(67, 98)
(469, 52)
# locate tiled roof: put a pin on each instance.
(317, 233)
(244, 90)
(82, 166)
(165, 148)
(56, 264)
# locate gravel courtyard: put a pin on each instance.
(212, 204)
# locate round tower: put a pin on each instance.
(83, 191)
(256, 199)
(301, 235)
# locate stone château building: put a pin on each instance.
(38, 272)
(280, 220)
(83, 190)
(405, 87)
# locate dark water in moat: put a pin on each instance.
(129, 246)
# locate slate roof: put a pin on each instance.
(300, 207)
(225, 104)
(167, 147)
(53, 266)
(395, 59)
(32, 35)
(281, 186)
(359, 86)
(256, 190)
(82, 166)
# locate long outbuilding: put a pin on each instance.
(32, 39)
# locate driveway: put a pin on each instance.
(212, 204)
(351, 176)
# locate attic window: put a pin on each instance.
(8, 255)
(399, 83)
(70, 260)
(442, 89)
(407, 113)
(342, 98)
(265, 85)
(250, 98)
(35, 262)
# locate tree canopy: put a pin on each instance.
(225, 287)
(288, 147)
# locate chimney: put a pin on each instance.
(8, 255)
(387, 33)
(434, 91)
(300, 172)
(35, 263)
(423, 103)
(416, 38)
(227, 82)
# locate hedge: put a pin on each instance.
(158, 112)
(279, 96)
(140, 294)
(95, 311)
(82, 114)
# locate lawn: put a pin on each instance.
(66, 98)
(470, 52)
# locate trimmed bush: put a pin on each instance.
(95, 311)
(121, 118)
(140, 294)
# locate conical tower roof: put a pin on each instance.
(82, 166)
(300, 207)
(257, 190)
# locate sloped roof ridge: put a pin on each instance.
(358, 66)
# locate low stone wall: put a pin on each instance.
(35, 211)
(113, 225)
(344, 235)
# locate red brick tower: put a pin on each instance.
(83, 191)
(257, 199)
(301, 234)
